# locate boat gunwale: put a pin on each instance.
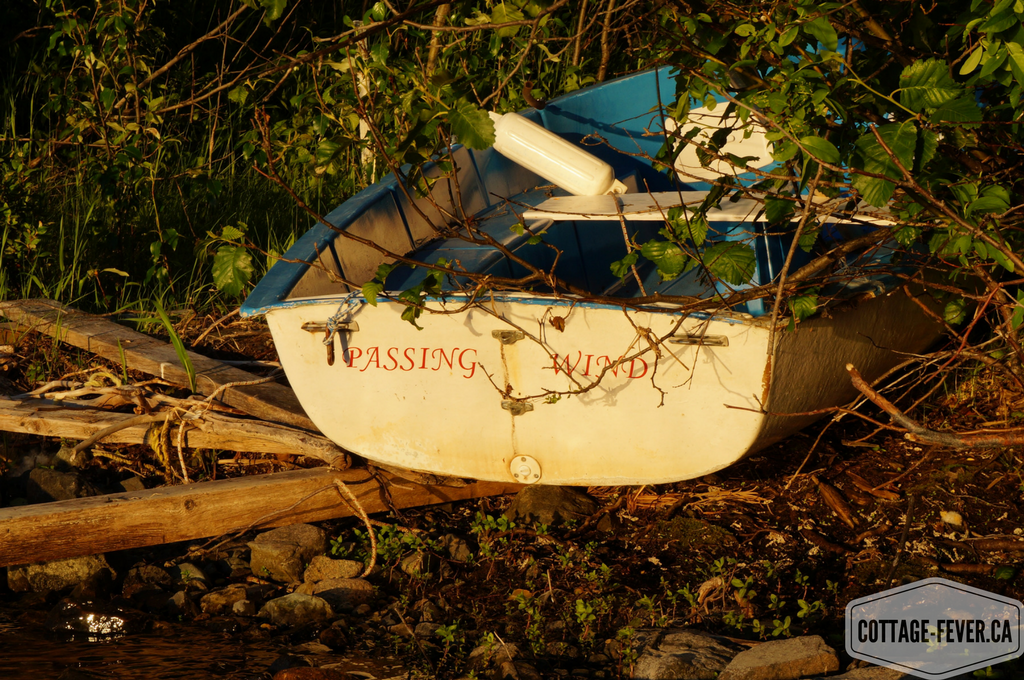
(665, 308)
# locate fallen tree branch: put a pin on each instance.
(920, 434)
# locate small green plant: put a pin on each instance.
(585, 617)
(810, 608)
(448, 633)
(744, 588)
(485, 523)
(673, 596)
(627, 653)
(782, 627)
(530, 607)
(734, 619)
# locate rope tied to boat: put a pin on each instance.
(348, 304)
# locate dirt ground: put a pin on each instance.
(771, 547)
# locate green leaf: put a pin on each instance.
(232, 234)
(232, 269)
(1018, 312)
(972, 61)
(1004, 573)
(994, 58)
(410, 314)
(955, 312)
(179, 346)
(997, 256)
(669, 258)
(998, 23)
(370, 291)
(274, 9)
(789, 35)
(803, 306)
(694, 228)
(963, 110)
(379, 53)
(471, 125)
(1016, 60)
(988, 204)
(821, 29)
(809, 236)
(239, 94)
(731, 261)
(383, 270)
(777, 209)
(821, 149)
(901, 138)
(783, 151)
(504, 13)
(926, 84)
(621, 268)
(927, 144)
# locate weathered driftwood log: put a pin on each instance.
(268, 401)
(84, 526)
(210, 431)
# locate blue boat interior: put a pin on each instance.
(619, 122)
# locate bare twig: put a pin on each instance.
(216, 323)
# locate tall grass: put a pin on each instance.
(78, 227)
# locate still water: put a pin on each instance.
(28, 650)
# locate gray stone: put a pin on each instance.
(146, 577)
(190, 572)
(551, 505)
(799, 657)
(181, 603)
(419, 564)
(322, 568)
(680, 654)
(237, 566)
(223, 600)
(297, 609)
(518, 670)
(69, 459)
(426, 629)
(458, 549)
(334, 637)
(282, 554)
(56, 575)
(43, 485)
(495, 654)
(244, 608)
(429, 611)
(131, 484)
(564, 650)
(401, 629)
(344, 593)
(96, 587)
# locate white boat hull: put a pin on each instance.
(455, 399)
